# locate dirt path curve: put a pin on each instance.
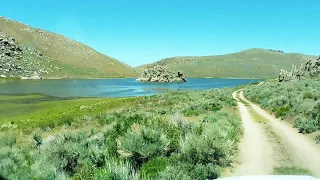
(255, 151)
(301, 148)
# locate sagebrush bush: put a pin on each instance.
(306, 125)
(152, 168)
(281, 111)
(65, 120)
(214, 148)
(317, 139)
(8, 139)
(309, 95)
(174, 172)
(141, 144)
(13, 163)
(37, 138)
(116, 170)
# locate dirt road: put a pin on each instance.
(259, 155)
(255, 151)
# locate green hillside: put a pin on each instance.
(56, 56)
(251, 63)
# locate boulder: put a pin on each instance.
(161, 74)
(12, 61)
(309, 70)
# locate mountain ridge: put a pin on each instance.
(249, 63)
(71, 58)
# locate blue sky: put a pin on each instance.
(143, 31)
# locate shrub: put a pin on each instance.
(317, 139)
(116, 170)
(37, 138)
(174, 172)
(152, 168)
(191, 112)
(111, 143)
(306, 125)
(206, 153)
(203, 149)
(178, 121)
(141, 143)
(97, 156)
(309, 95)
(46, 126)
(8, 139)
(208, 171)
(173, 131)
(61, 153)
(65, 120)
(12, 163)
(106, 118)
(281, 111)
(86, 118)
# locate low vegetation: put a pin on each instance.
(36, 110)
(257, 117)
(291, 171)
(155, 137)
(298, 101)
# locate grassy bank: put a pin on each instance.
(185, 135)
(297, 102)
(36, 110)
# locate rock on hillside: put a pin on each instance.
(12, 63)
(65, 58)
(161, 74)
(309, 70)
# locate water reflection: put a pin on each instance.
(111, 87)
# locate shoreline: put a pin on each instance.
(85, 78)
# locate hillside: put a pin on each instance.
(251, 63)
(54, 56)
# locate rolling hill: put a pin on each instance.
(55, 56)
(251, 63)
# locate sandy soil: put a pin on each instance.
(255, 150)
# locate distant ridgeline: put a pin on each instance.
(309, 70)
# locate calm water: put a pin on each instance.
(111, 87)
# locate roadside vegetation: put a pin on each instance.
(177, 135)
(297, 101)
(291, 171)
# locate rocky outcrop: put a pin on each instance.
(12, 62)
(161, 74)
(309, 70)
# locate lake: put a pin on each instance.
(112, 87)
